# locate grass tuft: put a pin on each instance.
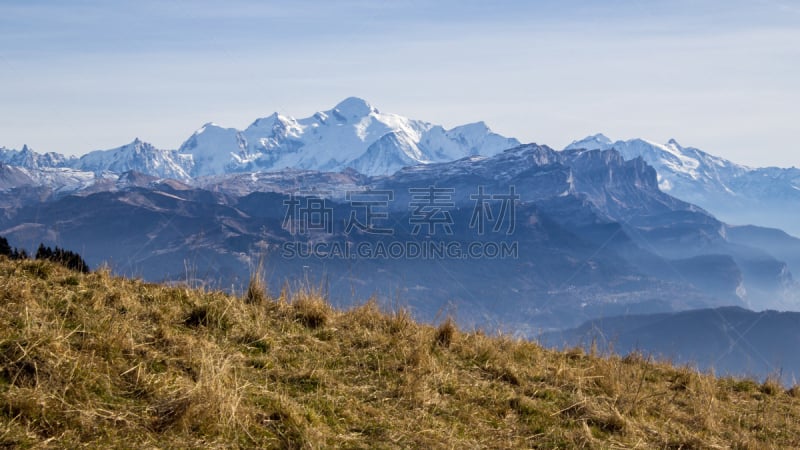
(445, 333)
(310, 310)
(257, 288)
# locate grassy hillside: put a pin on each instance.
(101, 361)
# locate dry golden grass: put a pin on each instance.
(97, 361)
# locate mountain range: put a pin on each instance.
(600, 228)
(733, 192)
(352, 134)
(355, 135)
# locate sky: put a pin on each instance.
(720, 75)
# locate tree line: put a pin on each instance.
(66, 258)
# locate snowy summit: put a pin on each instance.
(352, 134)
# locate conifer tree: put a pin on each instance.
(5, 249)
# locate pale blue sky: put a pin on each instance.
(719, 75)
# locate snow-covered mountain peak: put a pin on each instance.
(139, 156)
(475, 128)
(671, 153)
(735, 192)
(210, 149)
(685, 172)
(268, 122)
(137, 146)
(602, 138)
(595, 142)
(29, 159)
(354, 108)
(351, 134)
(206, 126)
